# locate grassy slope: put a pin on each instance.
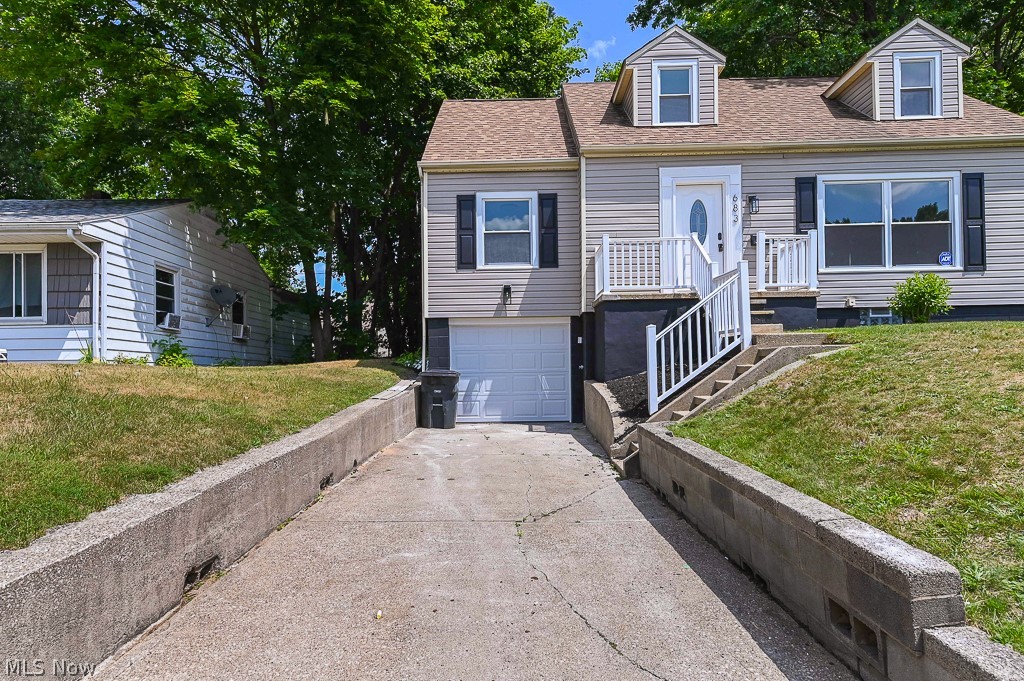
(918, 430)
(75, 439)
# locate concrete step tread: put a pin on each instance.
(743, 368)
(680, 415)
(721, 384)
(762, 313)
(780, 339)
(700, 399)
(762, 329)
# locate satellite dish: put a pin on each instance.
(224, 296)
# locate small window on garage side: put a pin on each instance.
(166, 293)
(507, 229)
(238, 310)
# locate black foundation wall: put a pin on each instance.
(620, 333)
(439, 355)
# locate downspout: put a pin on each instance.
(423, 263)
(94, 315)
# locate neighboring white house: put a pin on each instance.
(155, 265)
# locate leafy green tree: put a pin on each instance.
(608, 72)
(801, 38)
(300, 123)
(23, 129)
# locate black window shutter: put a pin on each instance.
(806, 204)
(973, 200)
(548, 230)
(466, 231)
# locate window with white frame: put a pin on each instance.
(21, 285)
(675, 93)
(903, 222)
(507, 229)
(166, 293)
(918, 85)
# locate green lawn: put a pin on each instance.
(918, 430)
(76, 439)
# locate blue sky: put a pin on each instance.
(605, 33)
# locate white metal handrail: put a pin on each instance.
(788, 261)
(655, 264)
(708, 331)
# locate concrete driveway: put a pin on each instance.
(484, 552)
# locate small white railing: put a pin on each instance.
(788, 261)
(707, 332)
(656, 264)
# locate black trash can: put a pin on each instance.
(439, 395)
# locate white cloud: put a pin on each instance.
(599, 49)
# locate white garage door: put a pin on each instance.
(512, 371)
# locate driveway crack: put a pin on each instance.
(548, 514)
(576, 611)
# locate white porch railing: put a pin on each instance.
(708, 331)
(656, 264)
(788, 261)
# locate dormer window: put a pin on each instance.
(675, 93)
(917, 78)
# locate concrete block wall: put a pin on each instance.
(886, 609)
(83, 590)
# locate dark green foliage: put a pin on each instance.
(608, 72)
(172, 353)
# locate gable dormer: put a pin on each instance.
(915, 73)
(672, 80)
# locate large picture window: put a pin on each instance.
(675, 101)
(21, 285)
(507, 229)
(903, 222)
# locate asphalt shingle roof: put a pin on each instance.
(61, 210)
(500, 130)
(755, 111)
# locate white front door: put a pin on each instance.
(512, 370)
(700, 213)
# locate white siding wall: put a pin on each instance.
(552, 292)
(860, 95)
(918, 39)
(187, 241)
(622, 199)
(44, 343)
(674, 47)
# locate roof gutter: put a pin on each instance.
(612, 150)
(455, 166)
(94, 313)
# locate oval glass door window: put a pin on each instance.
(699, 221)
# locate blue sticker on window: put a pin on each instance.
(699, 220)
(945, 258)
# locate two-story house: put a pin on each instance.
(556, 231)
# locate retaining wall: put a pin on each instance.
(83, 590)
(888, 610)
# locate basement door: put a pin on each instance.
(512, 370)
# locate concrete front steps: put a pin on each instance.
(753, 366)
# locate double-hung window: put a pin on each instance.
(507, 229)
(166, 293)
(917, 84)
(900, 221)
(675, 93)
(21, 286)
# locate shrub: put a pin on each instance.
(128, 359)
(229, 362)
(920, 297)
(172, 353)
(411, 360)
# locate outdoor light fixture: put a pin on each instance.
(506, 294)
(753, 204)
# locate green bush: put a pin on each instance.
(172, 353)
(920, 297)
(128, 359)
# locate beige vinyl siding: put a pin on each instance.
(549, 292)
(622, 199)
(860, 95)
(918, 39)
(674, 47)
